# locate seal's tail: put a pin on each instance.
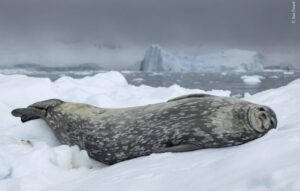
(36, 110)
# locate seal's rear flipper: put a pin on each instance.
(36, 110)
(28, 114)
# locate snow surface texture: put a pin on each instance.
(31, 159)
(158, 59)
(252, 80)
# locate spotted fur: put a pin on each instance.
(182, 124)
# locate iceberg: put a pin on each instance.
(157, 59)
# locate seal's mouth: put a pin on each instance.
(262, 118)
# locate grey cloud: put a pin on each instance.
(259, 24)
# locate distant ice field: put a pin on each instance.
(237, 83)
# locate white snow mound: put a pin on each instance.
(31, 159)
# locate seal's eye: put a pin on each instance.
(272, 122)
(261, 109)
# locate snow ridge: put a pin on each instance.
(31, 159)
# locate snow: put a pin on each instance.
(31, 159)
(234, 60)
(252, 80)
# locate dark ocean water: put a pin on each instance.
(204, 81)
(232, 82)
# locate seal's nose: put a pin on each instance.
(262, 116)
(265, 122)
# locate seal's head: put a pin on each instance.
(262, 118)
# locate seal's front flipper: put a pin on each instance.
(190, 96)
(28, 114)
(179, 148)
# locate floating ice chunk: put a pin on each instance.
(252, 80)
(138, 80)
(288, 72)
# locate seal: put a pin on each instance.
(186, 123)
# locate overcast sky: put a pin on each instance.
(262, 25)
